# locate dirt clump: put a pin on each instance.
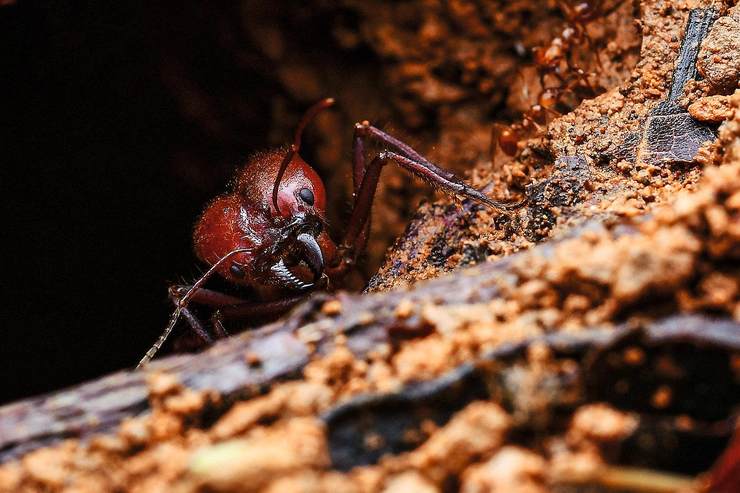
(510, 469)
(718, 62)
(713, 109)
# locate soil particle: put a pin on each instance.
(315, 482)
(409, 481)
(332, 307)
(601, 423)
(569, 465)
(405, 308)
(251, 463)
(162, 384)
(718, 60)
(511, 469)
(477, 430)
(292, 399)
(714, 109)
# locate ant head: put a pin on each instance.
(281, 182)
(303, 194)
(299, 190)
(549, 98)
(276, 214)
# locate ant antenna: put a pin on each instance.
(183, 303)
(296, 145)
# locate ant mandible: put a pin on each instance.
(269, 233)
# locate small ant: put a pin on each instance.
(508, 138)
(269, 233)
(556, 59)
(579, 15)
(554, 63)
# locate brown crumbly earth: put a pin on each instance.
(684, 252)
(486, 60)
(620, 181)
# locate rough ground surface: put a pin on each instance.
(610, 341)
(617, 178)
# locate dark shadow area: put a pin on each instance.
(123, 120)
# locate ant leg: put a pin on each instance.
(208, 297)
(358, 155)
(355, 237)
(407, 157)
(233, 308)
(218, 325)
(426, 170)
(196, 326)
(250, 309)
(191, 319)
(359, 167)
(366, 130)
(182, 304)
(592, 49)
(583, 77)
(361, 209)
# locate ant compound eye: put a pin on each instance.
(306, 195)
(237, 271)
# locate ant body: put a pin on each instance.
(269, 233)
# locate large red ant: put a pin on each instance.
(269, 233)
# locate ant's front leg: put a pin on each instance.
(258, 309)
(206, 297)
(227, 307)
(408, 158)
(234, 308)
(366, 179)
